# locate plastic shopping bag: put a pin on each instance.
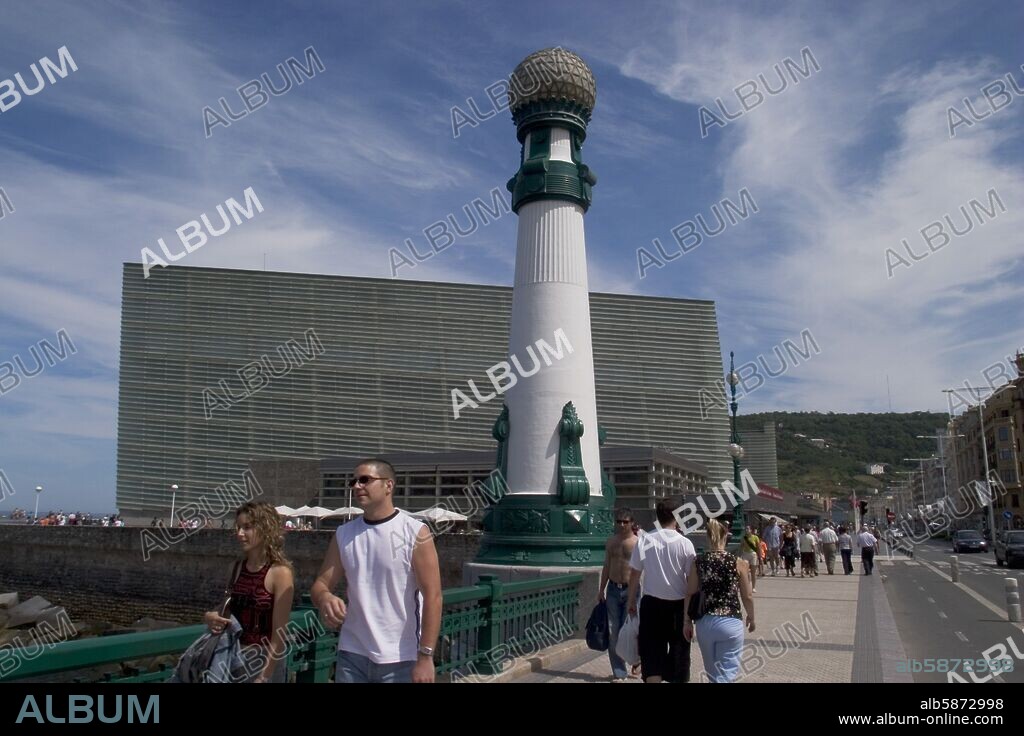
(628, 646)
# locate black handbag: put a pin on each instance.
(695, 606)
(225, 607)
(597, 628)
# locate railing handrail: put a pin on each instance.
(97, 651)
(481, 593)
(101, 650)
(464, 595)
(529, 586)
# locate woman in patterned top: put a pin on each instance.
(261, 595)
(723, 579)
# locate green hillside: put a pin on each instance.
(854, 440)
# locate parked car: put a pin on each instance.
(1009, 548)
(968, 540)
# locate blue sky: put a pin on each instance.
(842, 166)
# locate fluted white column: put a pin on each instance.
(550, 303)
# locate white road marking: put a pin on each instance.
(960, 636)
(976, 596)
(942, 615)
(930, 600)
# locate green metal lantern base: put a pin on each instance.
(736, 530)
(539, 530)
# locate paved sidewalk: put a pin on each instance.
(830, 628)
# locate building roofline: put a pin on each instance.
(384, 280)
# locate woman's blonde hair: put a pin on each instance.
(268, 525)
(717, 535)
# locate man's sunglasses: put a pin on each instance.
(362, 480)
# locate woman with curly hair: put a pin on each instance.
(262, 591)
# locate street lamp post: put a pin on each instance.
(942, 455)
(736, 451)
(174, 492)
(988, 482)
(922, 461)
(35, 516)
(1016, 462)
(909, 490)
(901, 489)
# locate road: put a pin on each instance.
(939, 620)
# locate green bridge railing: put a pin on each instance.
(482, 626)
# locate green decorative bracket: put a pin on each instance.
(497, 488)
(573, 486)
(500, 433)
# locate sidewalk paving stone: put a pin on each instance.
(829, 628)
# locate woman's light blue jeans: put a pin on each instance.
(721, 641)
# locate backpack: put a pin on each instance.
(216, 657)
(597, 628)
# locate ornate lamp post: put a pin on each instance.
(35, 516)
(736, 451)
(174, 492)
(557, 507)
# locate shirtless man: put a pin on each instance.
(615, 576)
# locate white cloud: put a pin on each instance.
(840, 178)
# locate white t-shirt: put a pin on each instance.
(665, 557)
(807, 542)
(384, 602)
(865, 540)
(827, 536)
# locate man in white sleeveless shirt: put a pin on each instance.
(389, 563)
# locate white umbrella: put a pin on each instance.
(285, 510)
(301, 511)
(436, 513)
(344, 511)
(319, 512)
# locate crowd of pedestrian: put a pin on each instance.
(59, 518)
(679, 594)
(812, 544)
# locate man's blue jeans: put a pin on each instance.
(357, 668)
(617, 597)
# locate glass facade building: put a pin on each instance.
(760, 453)
(222, 366)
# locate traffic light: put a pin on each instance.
(863, 508)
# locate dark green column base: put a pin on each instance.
(531, 530)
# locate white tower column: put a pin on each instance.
(550, 334)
